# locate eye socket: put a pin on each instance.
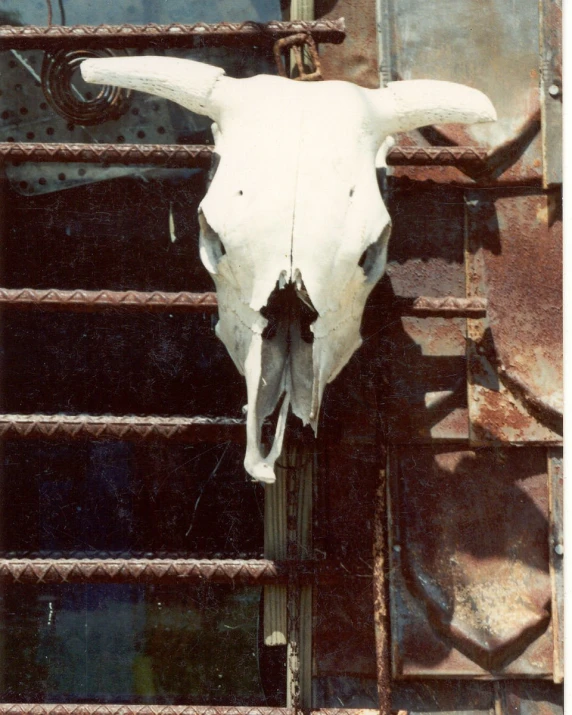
(372, 260)
(211, 248)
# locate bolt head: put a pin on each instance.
(554, 90)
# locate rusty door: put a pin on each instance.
(461, 378)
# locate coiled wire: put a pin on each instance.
(58, 69)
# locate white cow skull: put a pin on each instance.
(293, 228)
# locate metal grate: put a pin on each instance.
(135, 568)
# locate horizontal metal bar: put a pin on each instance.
(199, 156)
(438, 156)
(158, 300)
(128, 709)
(447, 306)
(246, 572)
(187, 429)
(101, 299)
(36, 571)
(50, 555)
(173, 35)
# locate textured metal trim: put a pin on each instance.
(50, 555)
(120, 427)
(448, 305)
(199, 156)
(438, 156)
(176, 34)
(157, 300)
(247, 572)
(91, 299)
(36, 571)
(172, 155)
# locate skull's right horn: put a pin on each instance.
(195, 85)
(409, 104)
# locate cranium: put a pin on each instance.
(293, 228)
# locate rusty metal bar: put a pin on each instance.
(32, 37)
(448, 305)
(438, 156)
(101, 299)
(381, 598)
(199, 156)
(187, 429)
(255, 572)
(555, 557)
(157, 300)
(128, 709)
(36, 571)
(172, 155)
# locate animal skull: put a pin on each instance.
(293, 228)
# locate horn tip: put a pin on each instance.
(88, 69)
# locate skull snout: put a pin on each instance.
(288, 307)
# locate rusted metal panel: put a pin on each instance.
(356, 59)
(424, 358)
(487, 46)
(174, 35)
(526, 697)
(551, 89)
(445, 696)
(556, 551)
(515, 354)
(350, 458)
(471, 591)
(427, 380)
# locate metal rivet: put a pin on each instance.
(559, 549)
(554, 90)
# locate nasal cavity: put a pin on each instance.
(287, 306)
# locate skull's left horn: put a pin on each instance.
(195, 85)
(409, 104)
